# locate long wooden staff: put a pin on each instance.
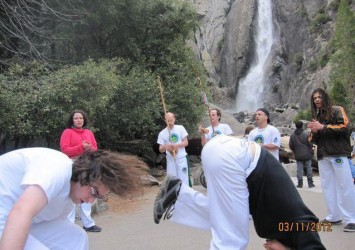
(172, 152)
(204, 97)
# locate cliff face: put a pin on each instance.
(225, 44)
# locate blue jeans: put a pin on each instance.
(300, 166)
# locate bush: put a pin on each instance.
(303, 115)
(318, 21)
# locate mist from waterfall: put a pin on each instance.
(250, 89)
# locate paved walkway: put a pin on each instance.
(137, 231)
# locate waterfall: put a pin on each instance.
(250, 89)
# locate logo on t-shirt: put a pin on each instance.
(338, 161)
(174, 138)
(275, 140)
(216, 132)
(259, 139)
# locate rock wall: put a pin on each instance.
(225, 44)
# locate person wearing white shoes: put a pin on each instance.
(330, 132)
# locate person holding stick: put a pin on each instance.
(172, 140)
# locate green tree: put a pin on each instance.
(343, 60)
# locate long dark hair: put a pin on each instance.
(70, 122)
(119, 172)
(325, 112)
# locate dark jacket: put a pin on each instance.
(300, 145)
(334, 139)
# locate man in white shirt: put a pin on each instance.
(172, 140)
(265, 134)
(216, 127)
(38, 187)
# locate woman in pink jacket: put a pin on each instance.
(75, 140)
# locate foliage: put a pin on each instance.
(339, 94)
(343, 60)
(333, 5)
(120, 95)
(303, 115)
(139, 30)
(319, 19)
(122, 101)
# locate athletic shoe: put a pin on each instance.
(93, 229)
(350, 227)
(333, 222)
(166, 198)
(311, 185)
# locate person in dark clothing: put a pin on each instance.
(331, 133)
(302, 149)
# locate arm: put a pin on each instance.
(270, 146)
(90, 144)
(340, 126)
(19, 221)
(182, 144)
(276, 140)
(202, 132)
(65, 145)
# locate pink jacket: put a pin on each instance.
(71, 141)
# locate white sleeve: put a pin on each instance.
(50, 173)
(276, 137)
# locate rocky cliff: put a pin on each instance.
(225, 44)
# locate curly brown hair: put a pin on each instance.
(325, 112)
(119, 172)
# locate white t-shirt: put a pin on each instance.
(231, 153)
(47, 168)
(267, 135)
(177, 134)
(221, 129)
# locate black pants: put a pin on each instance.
(277, 208)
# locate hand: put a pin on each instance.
(87, 145)
(202, 130)
(274, 245)
(168, 147)
(315, 126)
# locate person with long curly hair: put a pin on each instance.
(38, 187)
(330, 132)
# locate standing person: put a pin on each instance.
(243, 177)
(172, 140)
(330, 132)
(216, 127)
(302, 148)
(75, 140)
(38, 187)
(265, 134)
(247, 131)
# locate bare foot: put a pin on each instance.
(274, 245)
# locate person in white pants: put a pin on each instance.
(85, 215)
(330, 132)
(172, 140)
(242, 177)
(39, 186)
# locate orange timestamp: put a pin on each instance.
(299, 226)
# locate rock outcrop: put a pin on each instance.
(225, 44)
